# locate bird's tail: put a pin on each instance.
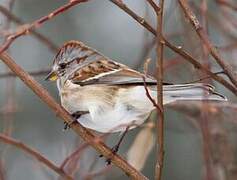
(196, 91)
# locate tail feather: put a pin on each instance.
(197, 91)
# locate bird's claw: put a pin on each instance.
(114, 151)
(75, 116)
(68, 125)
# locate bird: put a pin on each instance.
(107, 96)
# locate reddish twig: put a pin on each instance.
(204, 78)
(149, 96)
(35, 154)
(177, 50)
(154, 6)
(204, 38)
(159, 76)
(36, 34)
(39, 22)
(85, 134)
(160, 153)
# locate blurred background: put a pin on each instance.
(189, 152)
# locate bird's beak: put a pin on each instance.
(52, 76)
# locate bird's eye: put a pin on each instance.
(62, 65)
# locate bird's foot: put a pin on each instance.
(116, 147)
(114, 150)
(68, 125)
(75, 116)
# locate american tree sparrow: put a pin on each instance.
(107, 96)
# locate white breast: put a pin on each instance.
(110, 111)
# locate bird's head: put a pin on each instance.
(72, 56)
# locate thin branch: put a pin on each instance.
(159, 77)
(26, 30)
(204, 123)
(84, 133)
(160, 144)
(204, 38)
(153, 101)
(35, 154)
(204, 78)
(36, 34)
(40, 72)
(178, 50)
(154, 6)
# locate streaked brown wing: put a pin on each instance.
(95, 70)
(108, 72)
(91, 67)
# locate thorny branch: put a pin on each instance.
(176, 49)
(78, 128)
